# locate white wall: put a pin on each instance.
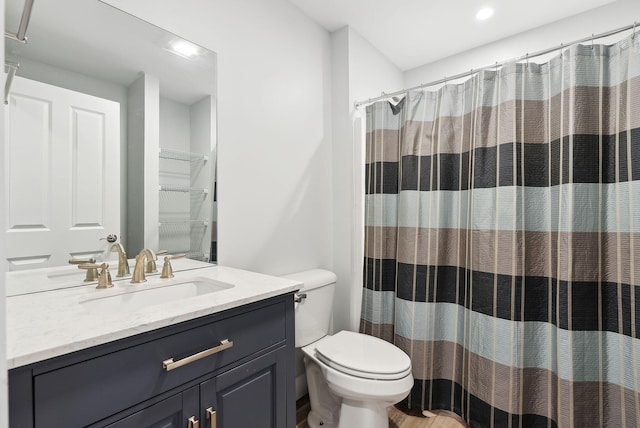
(3, 328)
(342, 175)
(360, 71)
(274, 142)
(370, 74)
(600, 20)
(175, 125)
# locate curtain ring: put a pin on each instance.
(526, 67)
(592, 41)
(634, 31)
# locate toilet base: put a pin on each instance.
(325, 406)
(363, 414)
(330, 411)
(316, 421)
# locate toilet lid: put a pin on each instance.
(363, 356)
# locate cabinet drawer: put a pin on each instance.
(89, 391)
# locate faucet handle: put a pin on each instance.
(167, 270)
(90, 260)
(104, 279)
(91, 268)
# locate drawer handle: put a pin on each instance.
(193, 422)
(169, 364)
(211, 415)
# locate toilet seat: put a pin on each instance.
(363, 356)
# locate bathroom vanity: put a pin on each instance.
(220, 358)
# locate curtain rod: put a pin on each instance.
(498, 64)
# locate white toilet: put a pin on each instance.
(352, 377)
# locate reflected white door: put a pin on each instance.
(62, 174)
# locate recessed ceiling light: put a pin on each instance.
(484, 13)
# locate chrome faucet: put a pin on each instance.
(145, 257)
(123, 264)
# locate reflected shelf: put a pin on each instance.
(182, 156)
(183, 189)
(203, 223)
(194, 255)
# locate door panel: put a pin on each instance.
(251, 395)
(28, 192)
(62, 174)
(88, 168)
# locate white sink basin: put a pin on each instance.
(143, 295)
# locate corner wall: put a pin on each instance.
(360, 72)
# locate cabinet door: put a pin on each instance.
(251, 395)
(173, 412)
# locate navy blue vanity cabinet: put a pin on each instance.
(248, 381)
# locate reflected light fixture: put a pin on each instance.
(484, 13)
(183, 48)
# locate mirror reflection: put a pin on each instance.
(110, 133)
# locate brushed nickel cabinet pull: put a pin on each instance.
(211, 415)
(193, 422)
(169, 364)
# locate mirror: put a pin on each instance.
(110, 129)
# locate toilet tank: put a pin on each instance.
(313, 313)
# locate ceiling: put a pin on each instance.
(411, 33)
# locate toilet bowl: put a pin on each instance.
(352, 378)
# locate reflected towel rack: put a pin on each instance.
(20, 35)
(11, 68)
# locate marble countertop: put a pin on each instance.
(47, 324)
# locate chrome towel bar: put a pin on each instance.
(21, 34)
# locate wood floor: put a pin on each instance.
(399, 417)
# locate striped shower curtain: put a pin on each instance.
(502, 244)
